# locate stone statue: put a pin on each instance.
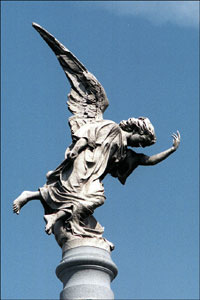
(99, 147)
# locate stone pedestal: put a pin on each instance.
(86, 272)
(86, 269)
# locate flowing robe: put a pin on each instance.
(76, 185)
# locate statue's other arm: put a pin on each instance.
(78, 146)
(155, 159)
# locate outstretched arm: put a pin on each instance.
(155, 159)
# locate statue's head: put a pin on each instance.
(143, 133)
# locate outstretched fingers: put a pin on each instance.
(176, 136)
(176, 139)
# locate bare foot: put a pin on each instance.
(19, 202)
(50, 220)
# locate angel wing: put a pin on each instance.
(87, 98)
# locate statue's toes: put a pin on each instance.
(45, 217)
(48, 230)
(16, 209)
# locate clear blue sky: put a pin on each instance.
(146, 57)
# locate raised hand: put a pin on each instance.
(176, 140)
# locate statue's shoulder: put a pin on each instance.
(107, 124)
(130, 152)
(110, 123)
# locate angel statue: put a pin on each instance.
(99, 147)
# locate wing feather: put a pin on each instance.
(87, 99)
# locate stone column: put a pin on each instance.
(86, 271)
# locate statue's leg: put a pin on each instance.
(25, 197)
(52, 218)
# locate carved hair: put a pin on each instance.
(141, 125)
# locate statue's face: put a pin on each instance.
(138, 140)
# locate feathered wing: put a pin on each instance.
(87, 98)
